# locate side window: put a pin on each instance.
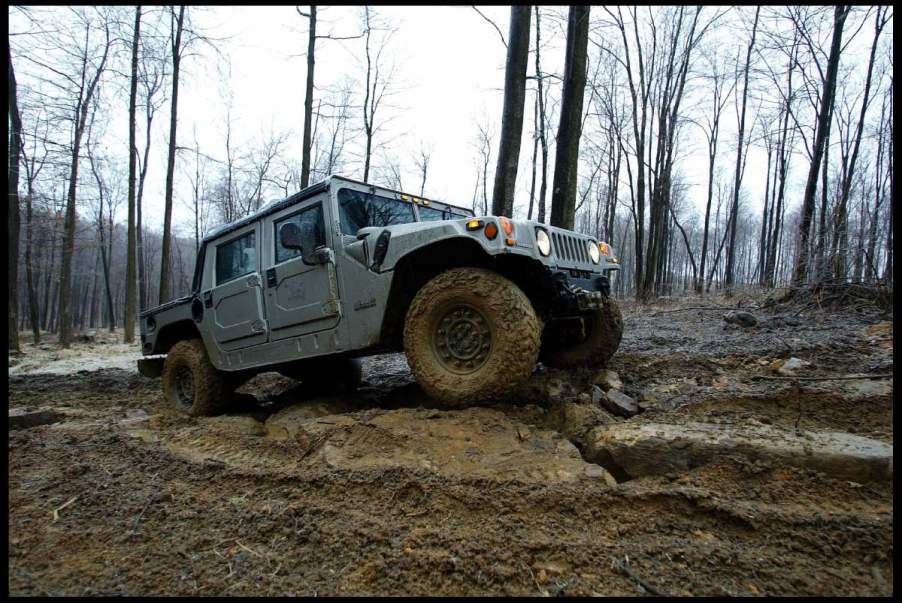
(358, 210)
(312, 215)
(236, 258)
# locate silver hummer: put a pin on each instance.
(344, 269)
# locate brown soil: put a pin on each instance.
(384, 493)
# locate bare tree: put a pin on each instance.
(512, 112)
(800, 271)
(737, 182)
(177, 50)
(563, 193)
(92, 66)
(421, 159)
(15, 146)
(719, 96)
(541, 99)
(130, 280)
(312, 37)
(840, 216)
(378, 77)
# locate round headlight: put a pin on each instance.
(543, 242)
(593, 252)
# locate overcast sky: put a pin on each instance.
(450, 74)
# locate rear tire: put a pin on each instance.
(191, 384)
(471, 334)
(605, 330)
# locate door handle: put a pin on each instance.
(208, 299)
(271, 277)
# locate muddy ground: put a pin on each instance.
(308, 492)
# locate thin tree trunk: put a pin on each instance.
(170, 165)
(535, 155)
(738, 177)
(12, 258)
(543, 140)
(130, 283)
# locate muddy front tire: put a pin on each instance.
(604, 330)
(471, 334)
(191, 384)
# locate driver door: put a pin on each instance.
(300, 298)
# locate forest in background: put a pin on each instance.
(598, 141)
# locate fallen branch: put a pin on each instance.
(56, 512)
(248, 549)
(693, 308)
(625, 568)
(840, 378)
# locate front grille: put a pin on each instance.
(569, 248)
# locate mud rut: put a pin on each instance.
(379, 492)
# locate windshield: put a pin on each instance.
(429, 214)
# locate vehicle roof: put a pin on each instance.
(306, 193)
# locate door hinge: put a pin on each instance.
(331, 307)
(258, 326)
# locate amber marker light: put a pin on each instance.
(491, 230)
(507, 226)
(474, 224)
(510, 242)
(604, 248)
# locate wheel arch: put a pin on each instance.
(174, 332)
(420, 266)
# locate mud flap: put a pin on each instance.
(151, 367)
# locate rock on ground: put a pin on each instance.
(738, 317)
(478, 443)
(608, 379)
(640, 449)
(620, 404)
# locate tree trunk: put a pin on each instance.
(563, 194)
(731, 252)
(535, 155)
(170, 165)
(308, 99)
(512, 114)
(143, 297)
(130, 283)
(12, 179)
(800, 271)
(543, 139)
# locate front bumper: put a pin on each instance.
(572, 294)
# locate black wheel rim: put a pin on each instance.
(462, 339)
(183, 384)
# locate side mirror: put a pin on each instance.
(301, 237)
(290, 236)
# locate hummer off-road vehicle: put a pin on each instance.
(344, 269)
